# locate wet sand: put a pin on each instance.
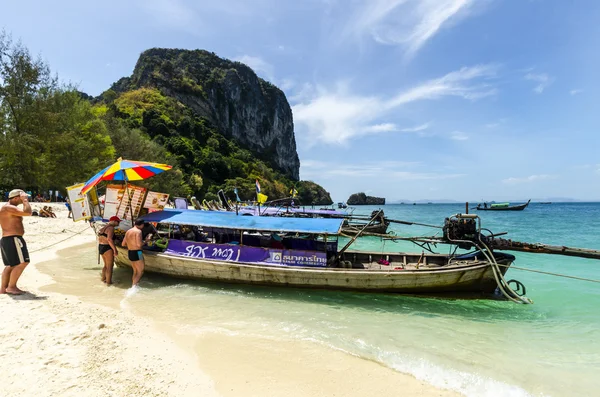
(75, 338)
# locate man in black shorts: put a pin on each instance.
(14, 249)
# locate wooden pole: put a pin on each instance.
(537, 248)
(128, 200)
(358, 234)
(467, 207)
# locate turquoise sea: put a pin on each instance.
(476, 347)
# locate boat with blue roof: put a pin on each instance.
(302, 252)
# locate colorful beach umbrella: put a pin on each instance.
(125, 170)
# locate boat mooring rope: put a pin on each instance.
(503, 285)
(58, 242)
(552, 274)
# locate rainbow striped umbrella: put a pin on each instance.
(125, 170)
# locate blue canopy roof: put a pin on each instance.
(229, 220)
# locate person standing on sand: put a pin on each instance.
(107, 249)
(14, 249)
(68, 205)
(133, 242)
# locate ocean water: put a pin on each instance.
(476, 347)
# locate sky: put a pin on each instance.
(403, 99)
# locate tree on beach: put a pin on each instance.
(49, 136)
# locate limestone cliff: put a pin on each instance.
(242, 107)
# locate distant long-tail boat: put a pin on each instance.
(502, 207)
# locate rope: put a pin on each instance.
(58, 242)
(552, 274)
(500, 280)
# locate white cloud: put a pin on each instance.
(528, 179)
(398, 170)
(391, 127)
(418, 128)
(452, 84)
(336, 116)
(385, 127)
(575, 91)
(543, 80)
(409, 23)
(259, 65)
(459, 136)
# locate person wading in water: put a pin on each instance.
(14, 249)
(106, 247)
(133, 242)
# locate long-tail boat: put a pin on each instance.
(304, 252)
(502, 207)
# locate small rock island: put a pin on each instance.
(363, 199)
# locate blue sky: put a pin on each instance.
(406, 99)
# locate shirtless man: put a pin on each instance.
(133, 242)
(14, 249)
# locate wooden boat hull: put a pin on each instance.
(515, 208)
(459, 277)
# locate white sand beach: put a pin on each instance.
(58, 345)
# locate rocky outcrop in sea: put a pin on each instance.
(363, 199)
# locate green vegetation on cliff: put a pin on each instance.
(208, 160)
(311, 193)
(169, 111)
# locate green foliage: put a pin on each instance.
(49, 135)
(211, 197)
(311, 193)
(209, 161)
(100, 110)
(52, 136)
(135, 145)
(196, 182)
(133, 104)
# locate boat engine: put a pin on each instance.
(461, 227)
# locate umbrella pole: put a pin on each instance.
(129, 201)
